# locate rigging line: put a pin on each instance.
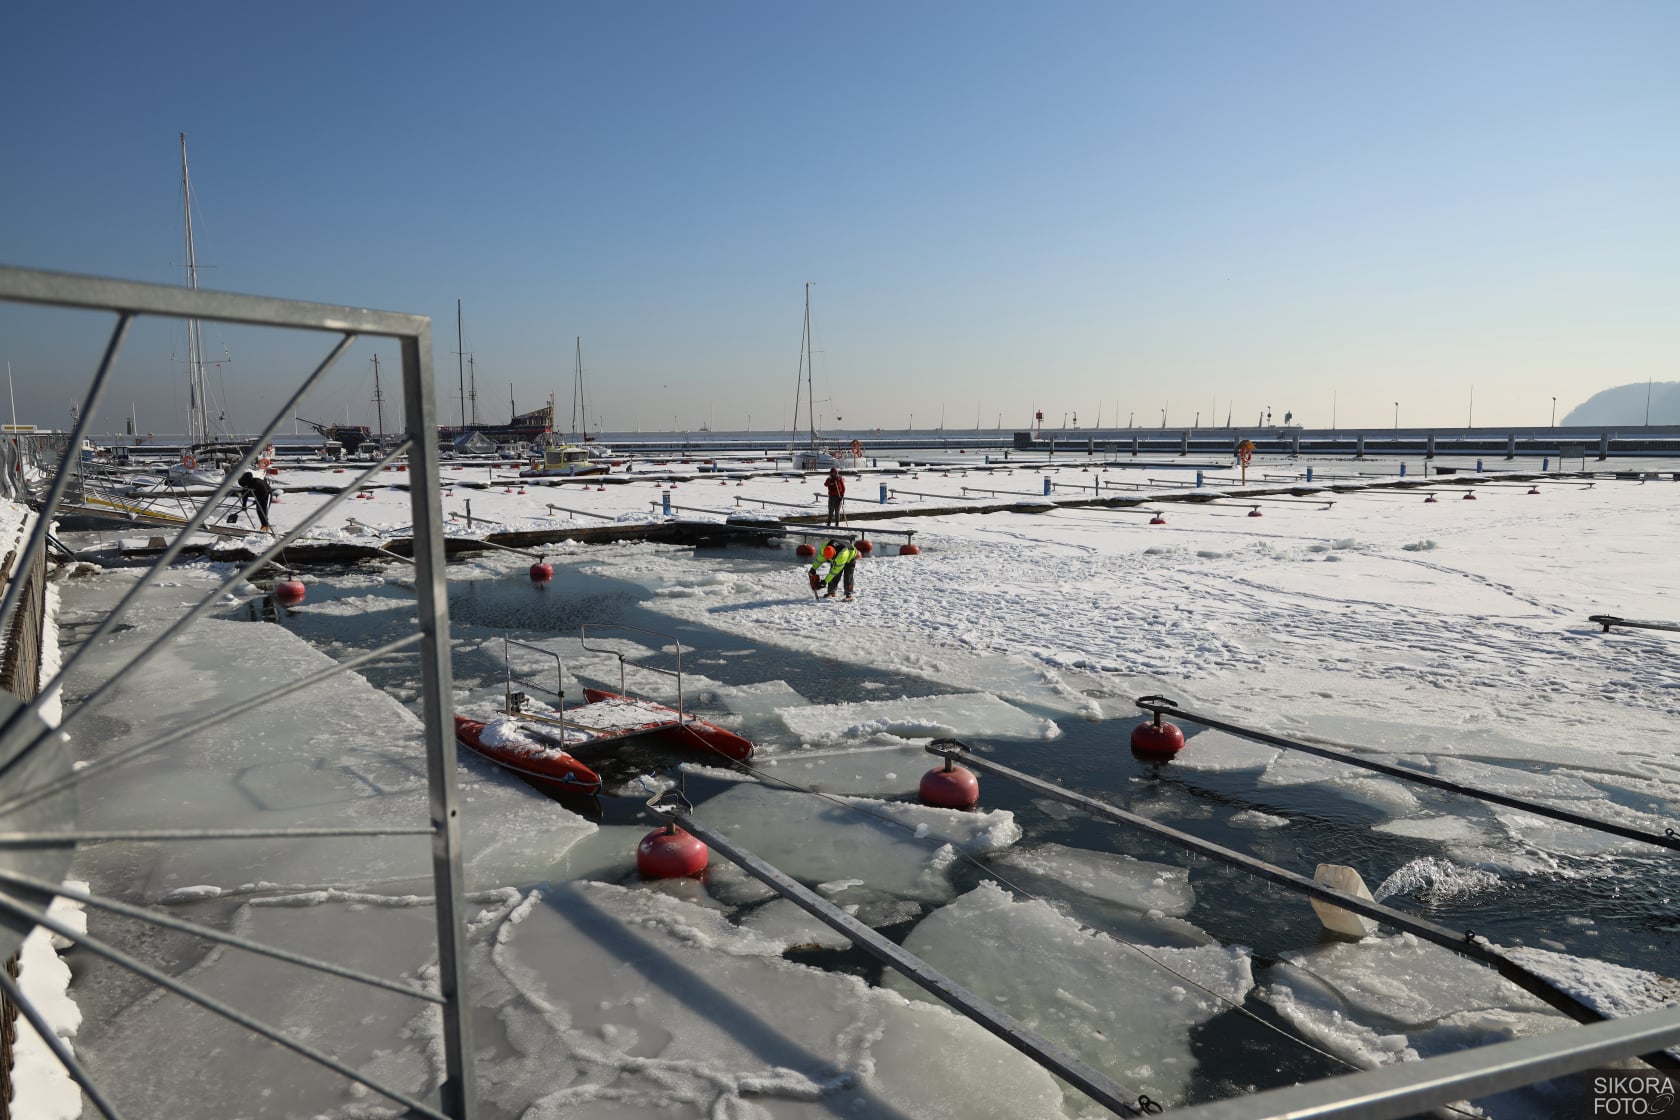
(167, 557)
(55, 493)
(88, 898)
(210, 600)
(209, 1003)
(57, 1045)
(214, 719)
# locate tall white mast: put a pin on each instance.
(198, 413)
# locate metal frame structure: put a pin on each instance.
(26, 788)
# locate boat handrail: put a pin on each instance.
(584, 630)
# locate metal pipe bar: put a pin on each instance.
(56, 1044)
(209, 1003)
(457, 1092)
(1468, 944)
(1407, 1088)
(583, 512)
(105, 836)
(140, 913)
(1160, 705)
(93, 293)
(100, 765)
(1093, 1083)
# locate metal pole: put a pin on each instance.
(457, 1091)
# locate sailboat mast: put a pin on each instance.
(582, 403)
(198, 408)
(460, 371)
(810, 360)
(378, 401)
(472, 386)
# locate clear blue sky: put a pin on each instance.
(1064, 206)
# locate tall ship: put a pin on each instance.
(524, 427)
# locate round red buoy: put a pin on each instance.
(1534, 490)
(602, 488)
(1429, 499)
(289, 592)
(670, 853)
(909, 550)
(865, 545)
(1469, 497)
(805, 550)
(1255, 512)
(542, 571)
(402, 466)
(522, 491)
(950, 787)
(507, 490)
(338, 470)
(1157, 520)
(1157, 740)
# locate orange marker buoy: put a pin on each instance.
(289, 592)
(909, 550)
(670, 853)
(950, 787)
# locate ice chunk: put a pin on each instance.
(820, 839)
(1612, 989)
(1096, 996)
(882, 771)
(783, 920)
(1212, 751)
(972, 714)
(1113, 877)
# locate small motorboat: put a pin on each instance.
(540, 740)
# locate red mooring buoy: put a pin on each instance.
(1157, 741)
(1255, 512)
(670, 853)
(1157, 520)
(1429, 499)
(289, 592)
(1469, 497)
(1534, 490)
(805, 550)
(865, 545)
(950, 787)
(909, 550)
(542, 571)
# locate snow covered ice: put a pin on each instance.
(601, 996)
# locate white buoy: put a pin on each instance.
(1335, 918)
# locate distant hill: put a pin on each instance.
(1625, 404)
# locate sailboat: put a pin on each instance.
(579, 456)
(816, 455)
(204, 448)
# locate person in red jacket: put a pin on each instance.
(836, 487)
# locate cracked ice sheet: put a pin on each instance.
(592, 1000)
(349, 756)
(897, 848)
(1081, 988)
(969, 714)
(1385, 999)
